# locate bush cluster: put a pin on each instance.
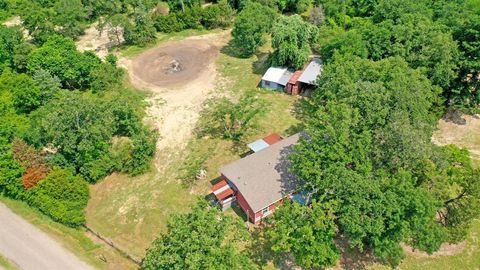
(213, 16)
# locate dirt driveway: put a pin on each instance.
(180, 76)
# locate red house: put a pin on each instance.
(261, 181)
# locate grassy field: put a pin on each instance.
(133, 211)
(98, 255)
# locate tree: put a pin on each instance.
(291, 39)
(10, 173)
(11, 123)
(218, 15)
(25, 93)
(61, 59)
(250, 27)
(70, 16)
(201, 239)
(61, 196)
(222, 117)
(10, 37)
(317, 16)
(142, 31)
(306, 232)
(115, 26)
(79, 127)
(452, 179)
(49, 85)
(176, 5)
(468, 80)
(367, 131)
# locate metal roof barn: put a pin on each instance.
(278, 75)
(311, 73)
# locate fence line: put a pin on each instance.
(113, 245)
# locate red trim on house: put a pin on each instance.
(273, 138)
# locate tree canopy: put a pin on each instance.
(369, 126)
(291, 40)
(201, 239)
(251, 26)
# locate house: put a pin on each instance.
(276, 78)
(260, 182)
(298, 82)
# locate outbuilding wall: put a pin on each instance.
(272, 85)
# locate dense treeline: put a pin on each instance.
(65, 120)
(390, 69)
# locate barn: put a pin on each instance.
(295, 83)
(260, 182)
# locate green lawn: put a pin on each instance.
(98, 255)
(6, 264)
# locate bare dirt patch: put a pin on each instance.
(175, 64)
(445, 250)
(96, 41)
(459, 129)
(180, 76)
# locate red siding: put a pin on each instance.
(245, 207)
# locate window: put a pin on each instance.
(267, 83)
(265, 210)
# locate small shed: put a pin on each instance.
(276, 78)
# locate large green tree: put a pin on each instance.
(251, 26)
(79, 126)
(291, 40)
(60, 58)
(306, 232)
(201, 239)
(369, 125)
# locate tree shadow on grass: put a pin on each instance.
(353, 259)
(261, 65)
(231, 50)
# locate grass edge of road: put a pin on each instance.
(74, 240)
(6, 264)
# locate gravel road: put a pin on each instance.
(30, 248)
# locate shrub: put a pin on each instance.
(10, 173)
(168, 23)
(218, 16)
(62, 196)
(33, 175)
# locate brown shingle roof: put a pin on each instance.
(264, 177)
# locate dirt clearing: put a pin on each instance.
(180, 76)
(459, 129)
(175, 64)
